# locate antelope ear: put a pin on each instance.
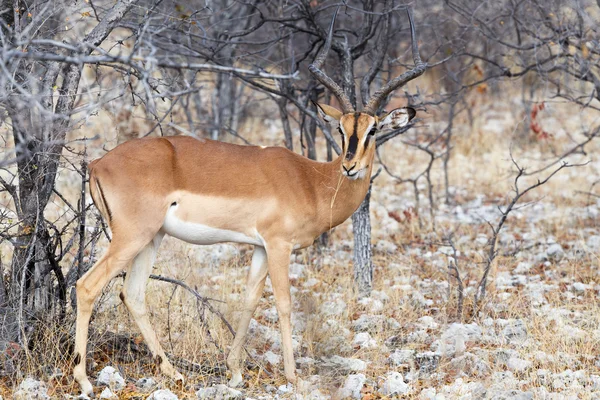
(331, 115)
(397, 118)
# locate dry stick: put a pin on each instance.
(206, 303)
(203, 299)
(492, 253)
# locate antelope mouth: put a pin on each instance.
(354, 174)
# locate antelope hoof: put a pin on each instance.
(87, 388)
(236, 379)
(177, 377)
(291, 378)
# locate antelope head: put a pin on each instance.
(359, 129)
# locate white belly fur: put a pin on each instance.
(202, 234)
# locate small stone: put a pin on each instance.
(394, 384)
(454, 339)
(374, 305)
(364, 341)
(145, 384)
(515, 332)
(271, 315)
(471, 365)
(163, 394)
(220, 391)
(522, 268)
(352, 387)
(579, 287)
(287, 388)
(427, 322)
(112, 378)
(332, 308)
(427, 361)
(374, 323)
(555, 251)
(345, 364)
(401, 357)
(31, 389)
(509, 395)
(427, 394)
(272, 358)
(108, 394)
(593, 242)
(518, 364)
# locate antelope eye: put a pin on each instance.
(373, 131)
(340, 130)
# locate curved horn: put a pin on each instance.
(315, 69)
(380, 95)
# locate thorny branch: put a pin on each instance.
(518, 195)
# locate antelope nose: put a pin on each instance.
(348, 170)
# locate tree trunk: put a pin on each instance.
(363, 253)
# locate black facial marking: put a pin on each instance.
(122, 297)
(352, 145)
(77, 359)
(353, 141)
(343, 138)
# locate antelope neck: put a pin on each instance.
(341, 196)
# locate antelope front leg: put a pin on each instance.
(254, 289)
(279, 263)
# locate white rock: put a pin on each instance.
(346, 364)
(332, 308)
(455, 338)
(374, 305)
(145, 384)
(110, 377)
(385, 246)
(374, 323)
(219, 392)
(446, 250)
(381, 296)
(515, 331)
(509, 395)
(311, 282)
(427, 322)
(428, 361)
(555, 251)
(31, 389)
(163, 394)
(272, 358)
(518, 364)
(287, 388)
(297, 270)
(394, 384)
(364, 341)
(352, 387)
(462, 390)
(522, 268)
(305, 361)
(471, 365)
(593, 242)
(400, 357)
(428, 394)
(271, 315)
(108, 394)
(579, 287)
